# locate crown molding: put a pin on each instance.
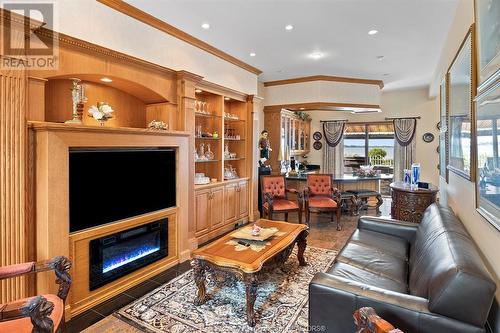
(379, 83)
(321, 106)
(154, 22)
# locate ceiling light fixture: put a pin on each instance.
(372, 32)
(252, 54)
(205, 26)
(316, 55)
(288, 27)
(198, 91)
(380, 57)
(106, 79)
(386, 74)
(227, 98)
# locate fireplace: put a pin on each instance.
(116, 255)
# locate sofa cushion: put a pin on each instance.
(446, 268)
(362, 276)
(392, 245)
(375, 261)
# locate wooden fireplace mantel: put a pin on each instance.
(49, 145)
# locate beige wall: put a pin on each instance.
(414, 102)
(459, 192)
(122, 33)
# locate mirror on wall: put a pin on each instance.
(460, 92)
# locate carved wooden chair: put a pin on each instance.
(39, 314)
(367, 321)
(274, 196)
(321, 196)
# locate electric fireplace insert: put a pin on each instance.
(114, 256)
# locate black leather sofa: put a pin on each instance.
(426, 277)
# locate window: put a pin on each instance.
(369, 143)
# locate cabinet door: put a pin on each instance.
(243, 199)
(217, 208)
(230, 203)
(202, 213)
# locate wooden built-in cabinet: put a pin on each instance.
(220, 207)
(223, 203)
(293, 134)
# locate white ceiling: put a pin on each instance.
(411, 35)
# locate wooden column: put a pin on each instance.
(13, 238)
(254, 106)
(186, 85)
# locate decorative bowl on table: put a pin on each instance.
(247, 233)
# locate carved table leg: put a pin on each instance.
(379, 203)
(199, 279)
(251, 283)
(301, 244)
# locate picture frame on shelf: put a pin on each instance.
(488, 40)
(443, 129)
(488, 164)
(461, 91)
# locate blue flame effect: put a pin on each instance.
(118, 261)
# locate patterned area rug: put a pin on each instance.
(281, 304)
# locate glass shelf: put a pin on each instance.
(206, 161)
(206, 115)
(206, 138)
(232, 120)
(226, 139)
(234, 159)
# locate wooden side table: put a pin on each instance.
(409, 204)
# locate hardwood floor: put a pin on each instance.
(322, 234)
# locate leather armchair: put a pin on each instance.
(321, 196)
(44, 314)
(422, 278)
(274, 193)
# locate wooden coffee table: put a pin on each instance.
(221, 258)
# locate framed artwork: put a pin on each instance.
(461, 91)
(488, 38)
(443, 129)
(488, 157)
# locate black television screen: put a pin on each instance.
(107, 185)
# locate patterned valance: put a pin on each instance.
(404, 130)
(334, 131)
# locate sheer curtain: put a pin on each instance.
(404, 145)
(333, 153)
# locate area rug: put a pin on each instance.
(281, 304)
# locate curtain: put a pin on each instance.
(404, 145)
(333, 152)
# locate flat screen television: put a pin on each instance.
(107, 185)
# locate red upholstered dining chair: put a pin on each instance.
(275, 200)
(43, 314)
(321, 196)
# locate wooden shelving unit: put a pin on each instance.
(220, 205)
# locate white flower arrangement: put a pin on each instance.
(101, 112)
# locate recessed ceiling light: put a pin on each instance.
(288, 27)
(386, 74)
(227, 98)
(198, 91)
(252, 54)
(373, 32)
(380, 57)
(302, 108)
(316, 55)
(205, 26)
(106, 79)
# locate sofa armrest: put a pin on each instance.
(402, 229)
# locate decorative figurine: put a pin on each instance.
(264, 147)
